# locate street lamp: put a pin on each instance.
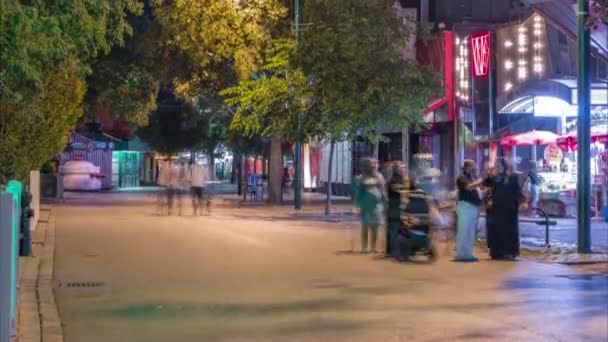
(298, 150)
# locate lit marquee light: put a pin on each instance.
(508, 86)
(537, 66)
(522, 48)
(508, 64)
(508, 44)
(463, 65)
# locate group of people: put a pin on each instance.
(395, 202)
(179, 178)
(398, 204)
(499, 189)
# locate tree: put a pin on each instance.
(268, 105)
(214, 31)
(45, 52)
(176, 125)
(125, 82)
(353, 50)
(29, 135)
(215, 117)
(598, 13)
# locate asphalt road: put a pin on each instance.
(255, 274)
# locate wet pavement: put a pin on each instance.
(124, 273)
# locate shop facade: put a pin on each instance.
(536, 92)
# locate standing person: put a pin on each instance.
(370, 195)
(171, 184)
(467, 211)
(503, 233)
(198, 184)
(534, 182)
(393, 213)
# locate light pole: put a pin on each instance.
(583, 195)
(297, 201)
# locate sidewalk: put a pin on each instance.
(37, 311)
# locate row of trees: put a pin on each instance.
(346, 77)
(47, 50)
(233, 70)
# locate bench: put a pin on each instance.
(544, 221)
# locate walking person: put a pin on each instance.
(198, 188)
(503, 233)
(393, 212)
(534, 183)
(370, 197)
(172, 184)
(467, 211)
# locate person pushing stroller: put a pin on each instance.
(418, 215)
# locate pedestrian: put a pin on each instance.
(161, 181)
(419, 214)
(370, 197)
(503, 233)
(172, 184)
(467, 211)
(393, 212)
(533, 181)
(198, 188)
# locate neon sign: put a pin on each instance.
(480, 44)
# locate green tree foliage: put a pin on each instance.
(599, 13)
(45, 51)
(29, 135)
(354, 50)
(269, 103)
(213, 31)
(175, 125)
(125, 82)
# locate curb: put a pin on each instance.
(38, 316)
(49, 316)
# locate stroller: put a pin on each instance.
(415, 230)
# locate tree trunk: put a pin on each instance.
(275, 194)
(244, 176)
(236, 168)
(332, 147)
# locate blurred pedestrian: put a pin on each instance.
(172, 185)
(419, 213)
(467, 211)
(533, 181)
(393, 213)
(370, 197)
(161, 180)
(503, 233)
(198, 188)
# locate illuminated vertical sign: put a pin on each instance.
(480, 46)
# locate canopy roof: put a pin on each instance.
(530, 138)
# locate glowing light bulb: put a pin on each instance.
(508, 86)
(508, 64)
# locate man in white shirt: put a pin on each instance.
(198, 179)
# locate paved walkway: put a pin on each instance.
(124, 273)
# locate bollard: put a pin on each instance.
(14, 188)
(25, 241)
(7, 320)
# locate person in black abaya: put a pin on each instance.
(503, 217)
(393, 220)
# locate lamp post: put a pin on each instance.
(583, 193)
(298, 150)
